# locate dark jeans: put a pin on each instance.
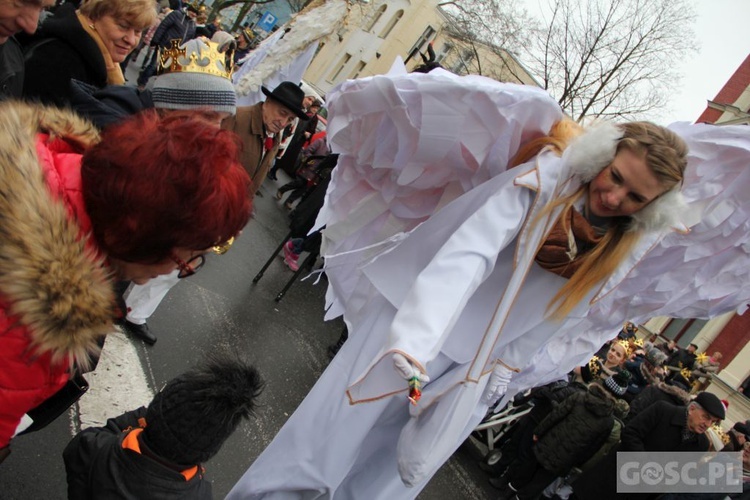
(149, 71)
(529, 478)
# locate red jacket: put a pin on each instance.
(55, 296)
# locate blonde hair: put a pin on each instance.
(138, 13)
(665, 154)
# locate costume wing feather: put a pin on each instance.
(409, 144)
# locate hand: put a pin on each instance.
(498, 384)
(413, 376)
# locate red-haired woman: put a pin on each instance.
(78, 212)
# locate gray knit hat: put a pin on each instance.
(198, 79)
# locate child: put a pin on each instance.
(157, 452)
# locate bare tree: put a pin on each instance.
(613, 58)
(497, 26)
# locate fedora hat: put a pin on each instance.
(290, 95)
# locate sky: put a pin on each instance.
(721, 31)
(722, 36)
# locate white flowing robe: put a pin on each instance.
(460, 293)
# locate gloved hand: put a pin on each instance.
(498, 384)
(413, 376)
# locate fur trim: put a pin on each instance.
(593, 150)
(674, 391)
(60, 291)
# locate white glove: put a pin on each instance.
(407, 370)
(498, 384)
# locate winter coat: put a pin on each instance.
(657, 428)
(574, 430)
(176, 26)
(248, 125)
(11, 69)
(548, 396)
(111, 462)
(109, 105)
(56, 300)
(62, 51)
(658, 392)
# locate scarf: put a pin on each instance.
(114, 73)
(568, 241)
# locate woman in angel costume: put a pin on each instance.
(481, 282)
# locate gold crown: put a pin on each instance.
(208, 60)
(627, 347)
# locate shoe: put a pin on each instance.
(142, 332)
(499, 482)
(288, 205)
(288, 249)
(291, 261)
(279, 194)
(272, 176)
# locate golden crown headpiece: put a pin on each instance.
(223, 248)
(701, 358)
(626, 345)
(207, 60)
(685, 372)
(638, 343)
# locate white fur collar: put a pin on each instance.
(593, 150)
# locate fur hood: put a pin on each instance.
(58, 288)
(678, 395)
(593, 150)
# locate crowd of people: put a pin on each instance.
(459, 299)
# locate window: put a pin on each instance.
(422, 41)
(683, 331)
(340, 67)
(360, 66)
(369, 25)
(391, 24)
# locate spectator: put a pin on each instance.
(22, 15)
(179, 25)
(87, 45)
(570, 434)
(645, 370)
(595, 369)
(158, 452)
(290, 159)
(244, 46)
(307, 176)
(258, 127)
(660, 427)
(181, 86)
(78, 212)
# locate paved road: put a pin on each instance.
(219, 309)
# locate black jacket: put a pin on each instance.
(11, 69)
(574, 430)
(109, 105)
(658, 392)
(176, 26)
(98, 467)
(62, 51)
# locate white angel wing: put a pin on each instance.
(284, 56)
(706, 271)
(408, 144)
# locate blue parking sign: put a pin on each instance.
(267, 22)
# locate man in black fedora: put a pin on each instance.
(259, 127)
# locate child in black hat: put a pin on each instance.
(157, 452)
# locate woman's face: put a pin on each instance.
(119, 36)
(615, 355)
(624, 187)
(142, 273)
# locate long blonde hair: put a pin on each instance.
(665, 154)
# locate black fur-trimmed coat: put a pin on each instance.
(56, 299)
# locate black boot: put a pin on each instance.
(142, 332)
(333, 349)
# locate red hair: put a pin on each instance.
(157, 183)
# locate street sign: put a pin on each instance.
(267, 22)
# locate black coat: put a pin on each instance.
(11, 69)
(176, 26)
(574, 430)
(98, 467)
(109, 105)
(62, 51)
(657, 392)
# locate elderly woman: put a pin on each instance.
(78, 213)
(86, 45)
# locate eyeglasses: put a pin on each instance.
(190, 267)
